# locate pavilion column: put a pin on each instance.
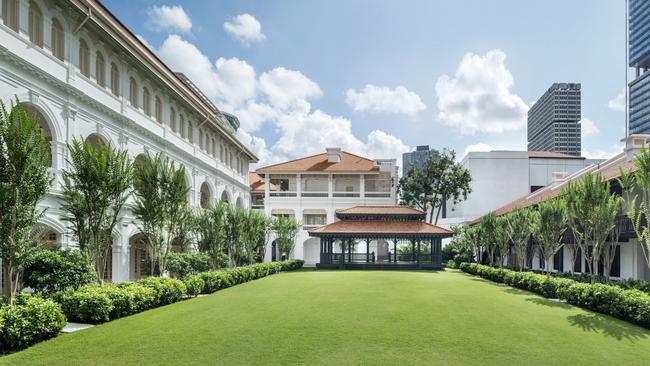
(367, 250)
(395, 251)
(320, 241)
(413, 251)
(431, 250)
(418, 260)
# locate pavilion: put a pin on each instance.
(387, 226)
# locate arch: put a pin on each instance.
(146, 101)
(45, 125)
(138, 257)
(182, 127)
(206, 195)
(11, 13)
(96, 139)
(172, 118)
(35, 24)
(225, 196)
(239, 203)
(158, 109)
(84, 58)
(100, 69)
(133, 92)
(58, 40)
(115, 79)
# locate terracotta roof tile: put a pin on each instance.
(256, 183)
(318, 163)
(380, 227)
(381, 210)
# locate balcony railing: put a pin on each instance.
(347, 194)
(283, 194)
(314, 194)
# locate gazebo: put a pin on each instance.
(387, 226)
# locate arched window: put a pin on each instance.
(84, 58)
(158, 110)
(58, 41)
(115, 80)
(133, 93)
(201, 139)
(172, 118)
(190, 132)
(146, 101)
(35, 24)
(100, 73)
(207, 143)
(221, 152)
(206, 197)
(214, 148)
(10, 14)
(182, 128)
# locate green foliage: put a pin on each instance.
(194, 285)
(440, 179)
(519, 229)
(89, 304)
(285, 229)
(256, 235)
(167, 290)
(95, 187)
(549, 222)
(210, 232)
(235, 230)
(631, 305)
(48, 271)
(160, 204)
(29, 320)
(639, 204)
(23, 182)
(181, 265)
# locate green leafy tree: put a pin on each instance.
(95, 188)
(187, 222)
(286, 229)
(235, 236)
(519, 229)
(549, 224)
(160, 205)
(440, 179)
(639, 204)
(256, 235)
(23, 182)
(502, 239)
(210, 231)
(489, 235)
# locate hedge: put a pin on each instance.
(29, 320)
(631, 305)
(98, 304)
(48, 271)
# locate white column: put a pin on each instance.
(121, 258)
(330, 186)
(362, 185)
(298, 186)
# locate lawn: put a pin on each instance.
(350, 317)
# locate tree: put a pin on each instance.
(186, 226)
(488, 236)
(235, 235)
(549, 224)
(160, 204)
(23, 182)
(440, 179)
(501, 239)
(256, 236)
(95, 188)
(286, 229)
(518, 228)
(639, 205)
(209, 231)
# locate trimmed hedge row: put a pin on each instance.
(98, 304)
(630, 305)
(28, 321)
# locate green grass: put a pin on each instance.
(349, 317)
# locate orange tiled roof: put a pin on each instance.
(552, 155)
(318, 163)
(256, 183)
(381, 210)
(380, 227)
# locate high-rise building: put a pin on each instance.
(417, 157)
(639, 53)
(554, 120)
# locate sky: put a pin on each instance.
(377, 78)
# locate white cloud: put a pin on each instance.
(588, 127)
(478, 97)
(383, 99)
(245, 28)
(618, 103)
(603, 153)
(144, 41)
(168, 18)
(279, 97)
(479, 147)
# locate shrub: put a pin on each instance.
(48, 271)
(30, 320)
(88, 304)
(166, 290)
(143, 297)
(181, 265)
(194, 285)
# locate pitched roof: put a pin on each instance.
(381, 210)
(256, 183)
(552, 155)
(318, 163)
(380, 227)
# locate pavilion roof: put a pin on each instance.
(387, 228)
(319, 163)
(381, 210)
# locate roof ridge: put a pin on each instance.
(289, 161)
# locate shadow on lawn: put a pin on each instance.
(597, 323)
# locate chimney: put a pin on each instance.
(633, 144)
(333, 154)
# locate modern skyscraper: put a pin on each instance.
(639, 53)
(417, 157)
(554, 120)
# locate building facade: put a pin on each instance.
(499, 177)
(417, 158)
(87, 77)
(554, 120)
(629, 260)
(639, 59)
(313, 188)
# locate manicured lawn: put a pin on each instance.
(332, 317)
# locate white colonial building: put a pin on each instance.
(87, 77)
(313, 188)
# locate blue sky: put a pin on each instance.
(379, 77)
